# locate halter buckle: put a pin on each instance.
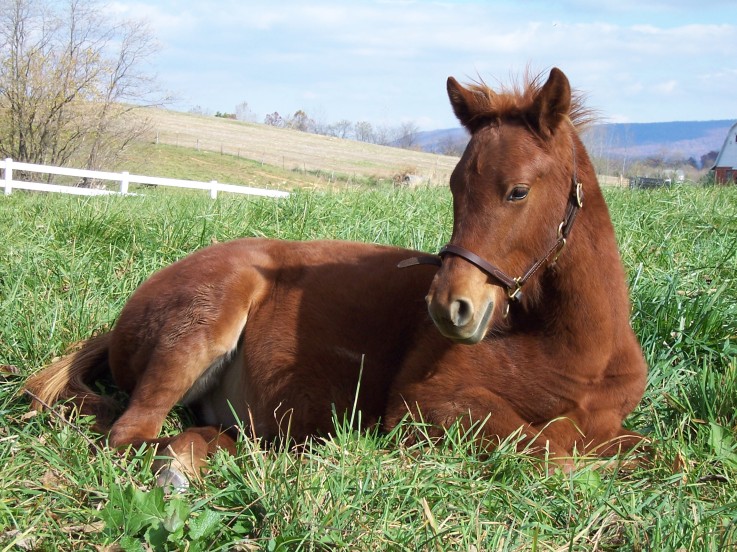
(516, 293)
(579, 194)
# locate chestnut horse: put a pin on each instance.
(523, 328)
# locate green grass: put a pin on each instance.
(67, 265)
(169, 161)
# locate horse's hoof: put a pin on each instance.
(172, 481)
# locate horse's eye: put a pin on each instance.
(518, 193)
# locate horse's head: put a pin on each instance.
(513, 190)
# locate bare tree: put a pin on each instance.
(243, 113)
(406, 134)
(301, 121)
(341, 129)
(709, 159)
(274, 119)
(363, 131)
(452, 145)
(69, 80)
(384, 135)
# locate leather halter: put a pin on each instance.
(513, 285)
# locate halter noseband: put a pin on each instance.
(514, 285)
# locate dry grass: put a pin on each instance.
(293, 150)
(605, 180)
(278, 158)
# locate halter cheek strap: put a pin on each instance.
(513, 285)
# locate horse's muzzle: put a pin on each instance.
(459, 320)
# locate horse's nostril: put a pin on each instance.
(461, 312)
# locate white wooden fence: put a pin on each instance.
(123, 178)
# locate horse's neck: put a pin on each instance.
(586, 293)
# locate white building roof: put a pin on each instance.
(728, 155)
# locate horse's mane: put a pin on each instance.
(515, 99)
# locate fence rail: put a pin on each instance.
(123, 178)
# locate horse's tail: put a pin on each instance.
(66, 379)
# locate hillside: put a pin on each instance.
(295, 153)
(184, 145)
(673, 140)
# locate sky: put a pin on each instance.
(387, 61)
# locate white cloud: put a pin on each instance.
(379, 59)
(162, 21)
(666, 88)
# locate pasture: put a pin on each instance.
(67, 265)
(298, 158)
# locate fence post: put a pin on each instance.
(213, 189)
(8, 176)
(124, 182)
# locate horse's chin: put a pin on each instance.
(469, 334)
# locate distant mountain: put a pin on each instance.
(672, 141)
(444, 141)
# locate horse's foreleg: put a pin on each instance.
(598, 434)
(618, 441)
(474, 405)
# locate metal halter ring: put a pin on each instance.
(579, 194)
(560, 250)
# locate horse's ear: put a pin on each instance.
(553, 103)
(462, 101)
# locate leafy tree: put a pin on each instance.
(69, 79)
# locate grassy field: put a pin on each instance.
(67, 266)
(171, 161)
(292, 150)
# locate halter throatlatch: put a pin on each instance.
(514, 285)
